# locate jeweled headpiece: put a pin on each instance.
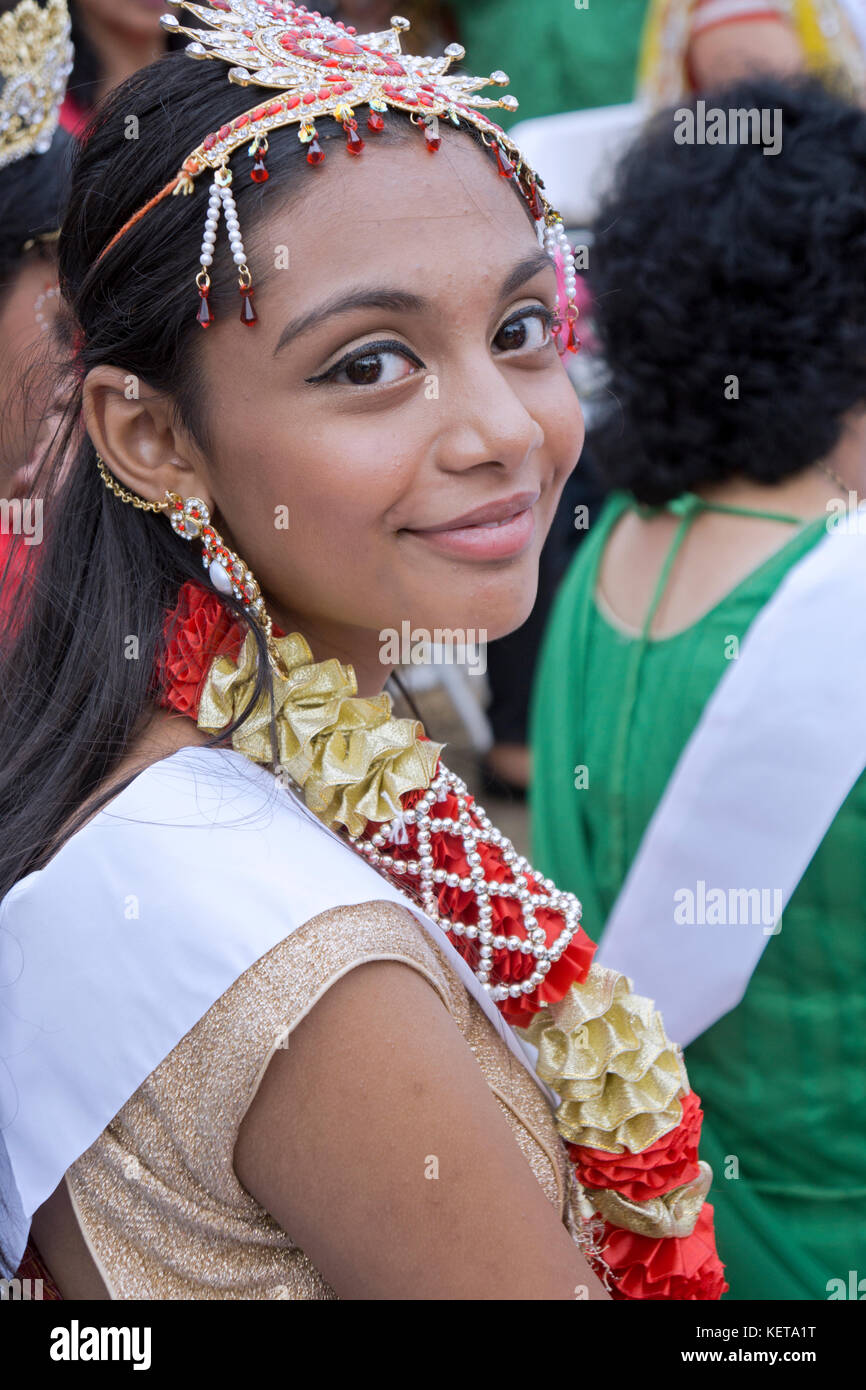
(317, 67)
(35, 63)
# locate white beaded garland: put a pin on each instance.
(472, 833)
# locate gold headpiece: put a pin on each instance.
(35, 63)
(318, 67)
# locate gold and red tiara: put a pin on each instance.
(317, 67)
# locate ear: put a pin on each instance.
(134, 428)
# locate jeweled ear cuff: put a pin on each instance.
(321, 67)
(190, 519)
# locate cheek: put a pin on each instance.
(334, 477)
(562, 420)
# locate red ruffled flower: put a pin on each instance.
(668, 1163)
(681, 1268)
(197, 630)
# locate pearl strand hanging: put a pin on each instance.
(554, 240)
(222, 199)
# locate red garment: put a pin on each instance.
(11, 583)
(73, 116)
(33, 1268)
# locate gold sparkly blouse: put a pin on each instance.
(156, 1195)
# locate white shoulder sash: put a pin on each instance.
(777, 750)
(143, 919)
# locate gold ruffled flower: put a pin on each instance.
(353, 759)
(674, 1214)
(604, 1050)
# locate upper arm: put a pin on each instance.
(376, 1143)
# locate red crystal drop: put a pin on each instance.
(506, 168)
(205, 314)
(433, 141)
(315, 153)
(573, 344)
(248, 313)
(534, 200)
(375, 121)
(354, 143)
(341, 45)
(259, 173)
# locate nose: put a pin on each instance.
(484, 419)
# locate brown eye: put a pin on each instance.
(364, 371)
(511, 335)
(374, 364)
(531, 329)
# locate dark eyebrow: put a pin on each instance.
(399, 301)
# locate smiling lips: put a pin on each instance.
(493, 532)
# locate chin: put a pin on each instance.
(508, 622)
(483, 603)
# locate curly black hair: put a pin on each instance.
(730, 291)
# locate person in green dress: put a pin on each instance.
(560, 56)
(731, 304)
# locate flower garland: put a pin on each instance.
(628, 1117)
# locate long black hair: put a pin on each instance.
(71, 704)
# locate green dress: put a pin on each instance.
(782, 1077)
(558, 56)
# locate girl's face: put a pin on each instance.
(390, 441)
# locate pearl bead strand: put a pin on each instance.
(555, 240)
(221, 199)
(473, 833)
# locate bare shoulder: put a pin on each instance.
(376, 1143)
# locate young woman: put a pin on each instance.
(697, 727)
(239, 1060)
